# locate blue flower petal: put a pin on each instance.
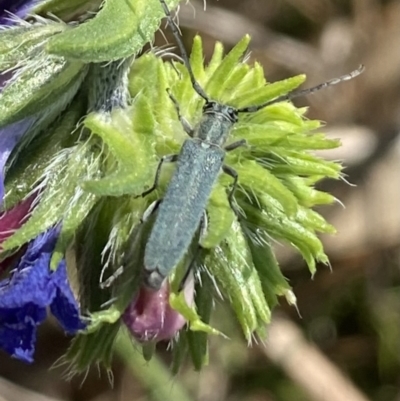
(17, 7)
(31, 282)
(9, 137)
(17, 316)
(64, 306)
(25, 296)
(43, 244)
(19, 339)
(18, 330)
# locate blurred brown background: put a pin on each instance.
(346, 344)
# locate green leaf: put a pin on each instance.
(232, 266)
(265, 93)
(120, 29)
(131, 259)
(272, 280)
(179, 351)
(226, 68)
(314, 221)
(198, 341)
(231, 84)
(183, 88)
(278, 113)
(25, 172)
(90, 241)
(19, 43)
(66, 9)
(255, 178)
(300, 163)
(216, 57)
(270, 137)
(253, 79)
(42, 86)
(149, 77)
(128, 135)
(77, 211)
(178, 302)
(220, 217)
(61, 182)
(111, 237)
(177, 299)
(148, 351)
(279, 226)
(307, 195)
(91, 349)
(100, 319)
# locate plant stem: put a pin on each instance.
(153, 375)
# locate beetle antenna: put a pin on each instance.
(304, 92)
(175, 32)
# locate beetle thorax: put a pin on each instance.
(216, 123)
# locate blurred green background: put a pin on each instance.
(343, 343)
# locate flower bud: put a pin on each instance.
(150, 317)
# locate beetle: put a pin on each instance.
(198, 165)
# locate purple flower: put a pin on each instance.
(150, 317)
(30, 289)
(9, 138)
(19, 8)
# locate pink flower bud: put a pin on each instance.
(10, 221)
(149, 317)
